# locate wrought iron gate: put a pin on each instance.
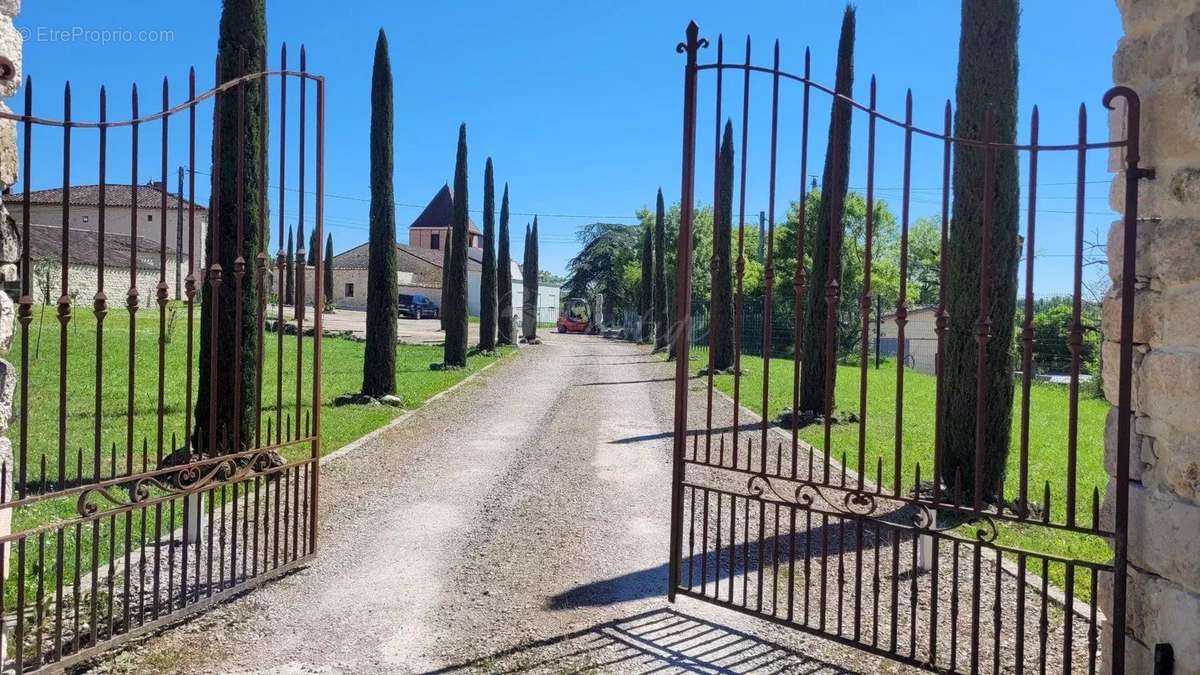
(124, 517)
(822, 537)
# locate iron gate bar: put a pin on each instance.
(862, 508)
(55, 623)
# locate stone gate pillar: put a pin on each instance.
(1159, 57)
(10, 80)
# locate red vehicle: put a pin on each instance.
(576, 317)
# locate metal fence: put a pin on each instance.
(877, 550)
(124, 514)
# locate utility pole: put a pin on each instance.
(179, 238)
(762, 235)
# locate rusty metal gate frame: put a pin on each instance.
(66, 618)
(712, 475)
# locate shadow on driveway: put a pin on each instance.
(653, 641)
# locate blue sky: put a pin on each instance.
(579, 103)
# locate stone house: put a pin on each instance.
(46, 209)
(83, 271)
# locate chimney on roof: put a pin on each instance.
(158, 185)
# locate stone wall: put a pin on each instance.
(1159, 58)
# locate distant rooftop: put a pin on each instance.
(440, 212)
(149, 196)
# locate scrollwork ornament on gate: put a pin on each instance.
(186, 479)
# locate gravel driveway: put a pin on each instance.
(519, 524)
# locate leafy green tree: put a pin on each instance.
(289, 271)
(924, 260)
(828, 236)
(1052, 321)
(987, 81)
(487, 281)
(327, 264)
(608, 250)
(379, 360)
(529, 323)
(455, 299)
(220, 427)
(721, 305)
(646, 283)
(660, 274)
(504, 308)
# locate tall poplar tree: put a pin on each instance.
(827, 238)
(660, 274)
(504, 308)
(987, 80)
(487, 280)
(721, 304)
(289, 271)
(455, 351)
(379, 359)
(220, 426)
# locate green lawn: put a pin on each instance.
(1047, 445)
(341, 373)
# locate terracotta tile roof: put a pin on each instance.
(149, 196)
(45, 241)
(439, 212)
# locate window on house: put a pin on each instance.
(435, 241)
(85, 219)
(349, 290)
(150, 217)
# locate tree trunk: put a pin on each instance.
(504, 308)
(226, 410)
(721, 302)
(987, 79)
(827, 238)
(455, 351)
(487, 280)
(379, 360)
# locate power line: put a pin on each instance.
(529, 214)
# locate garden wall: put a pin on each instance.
(1159, 57)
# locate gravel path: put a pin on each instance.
(519, 524)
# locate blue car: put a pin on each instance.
(417, 307)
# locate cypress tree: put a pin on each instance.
(987, 79)
(828, 235)
(455, 350)
(646, 286)
(504, 309)
(379, 359)
(289, 281)
(310, 256)
(446, 247)
(529, 274)
(327, 264)
(660, 274)
(721, 305)
(241, 46)
(487, 281)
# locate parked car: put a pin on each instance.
(417, 307)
